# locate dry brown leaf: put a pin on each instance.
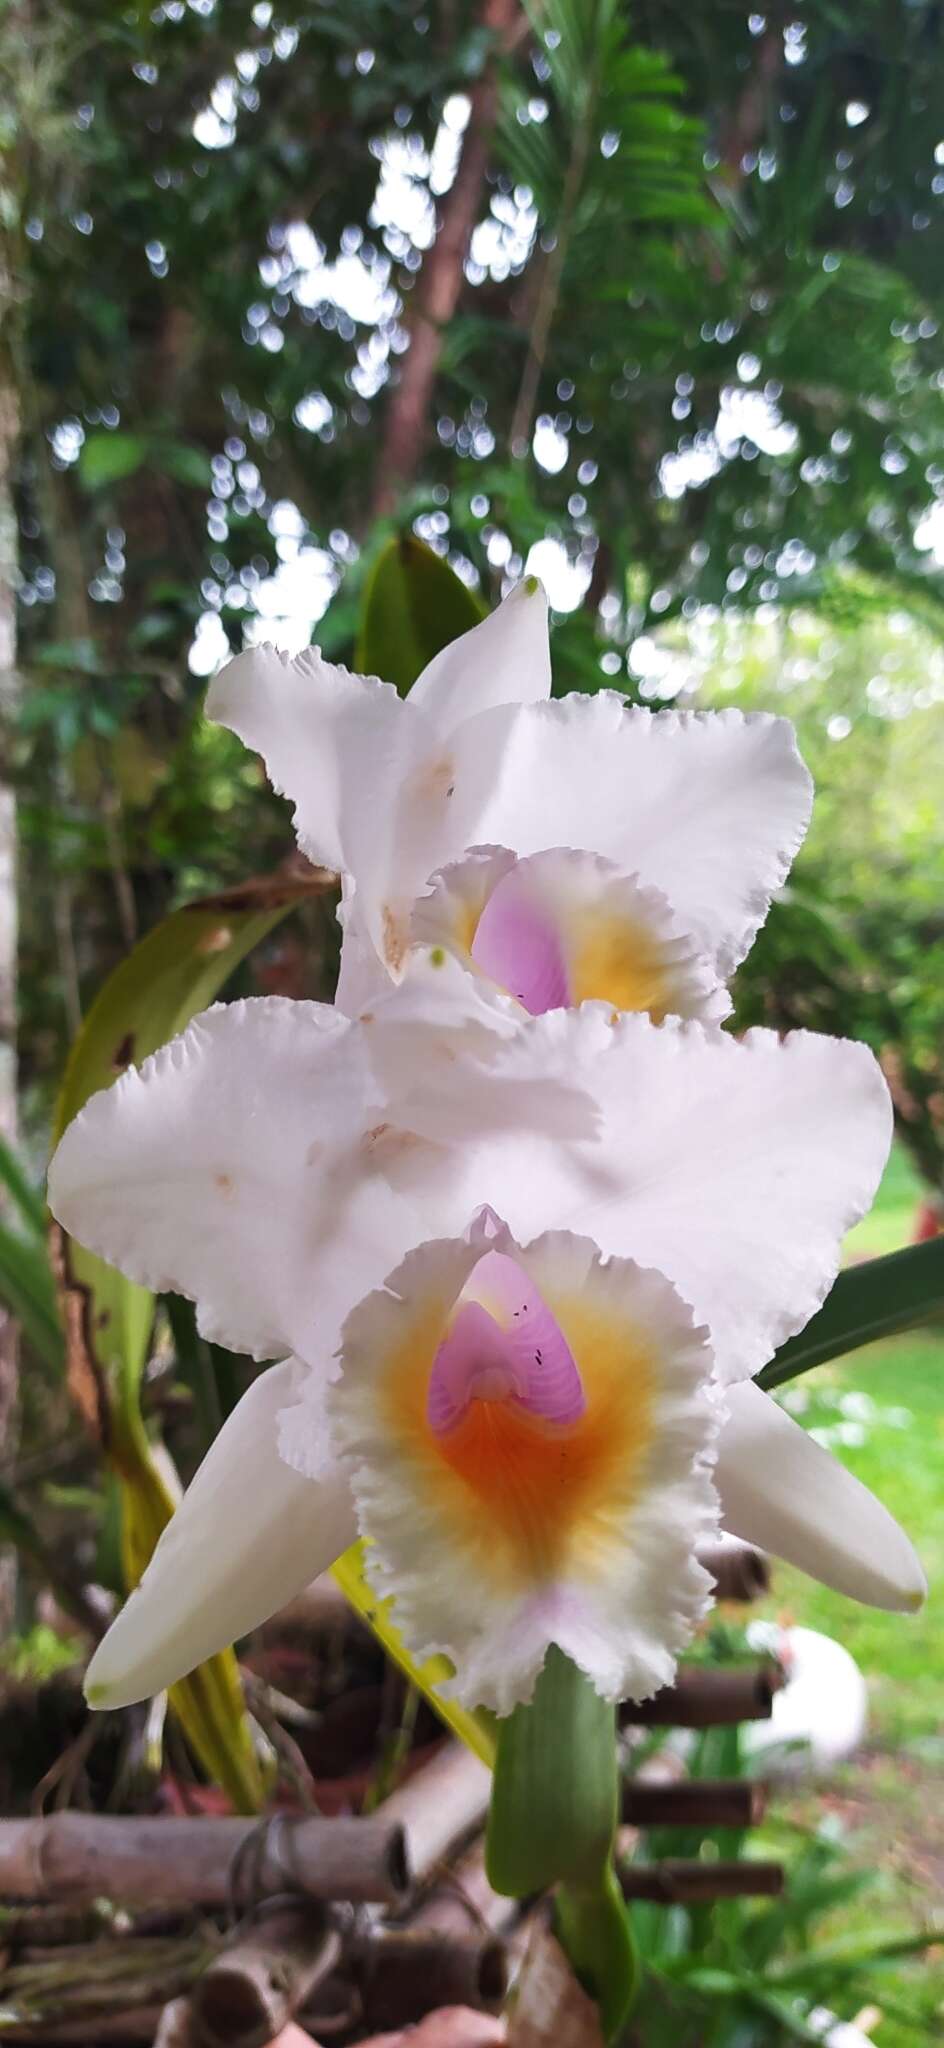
(551, 2009)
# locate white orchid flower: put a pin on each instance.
(520, 1417)
(591, 850)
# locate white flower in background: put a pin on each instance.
(693, 818)
(523, 1424)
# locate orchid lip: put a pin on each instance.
(519, 946)
(503, 1344)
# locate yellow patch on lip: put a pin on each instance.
(616, 960)
(532, 1499)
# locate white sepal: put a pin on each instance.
(247, 1536)
(784, 1492)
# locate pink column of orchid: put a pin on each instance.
(518, 1219)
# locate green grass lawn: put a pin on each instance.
(901, 1458)
(891, 1396)
(887, 1402)
(890, 1219)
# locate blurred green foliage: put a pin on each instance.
(695, 347)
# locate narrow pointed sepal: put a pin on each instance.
(781, 1490)
(248, 1535)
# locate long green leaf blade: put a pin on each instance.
(24, 1196)
(27, 1290)
(595, 1928)
(175, 971)
(877, 1299)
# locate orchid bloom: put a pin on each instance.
(519, 1272)
(572, 850)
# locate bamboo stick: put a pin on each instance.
(682, 1883)
(464, 1901)
(200, 1861)
(403, 1976)
(694, 1802)
(704, 1697)
(249, 1993)
(440, 1807)
(739, 1571)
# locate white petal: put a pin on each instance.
(496, 1543)
(448, 912)
(418, 1033)
(710, 807)
(433, 1044)
(505, 660)
(786, 1493)
(337, 744)
(378, 790)
(362, 976)
(735, 1168)
(248, 1535)
(232, 1168)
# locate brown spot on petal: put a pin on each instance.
(224, 1181)
(387, 1140)
(438, 778)
(123, 1053)
(396, 939)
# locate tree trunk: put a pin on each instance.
(9, 428)
(440, 280)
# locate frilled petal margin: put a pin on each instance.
(733, 1167)
(228, 1163)
(380, 786)
(709, 807)
(566, 927)
(247, 1536)
(336, 744)
(784, 1492)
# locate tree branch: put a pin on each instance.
(440, 279)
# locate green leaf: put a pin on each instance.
(593, 1925)
(109, 458)
(554, 1801)
(880, 1298)
(26, 1288)
(26, 1198)
(552, 1821)
(187, 465)
(175, 971)
(414, 605)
